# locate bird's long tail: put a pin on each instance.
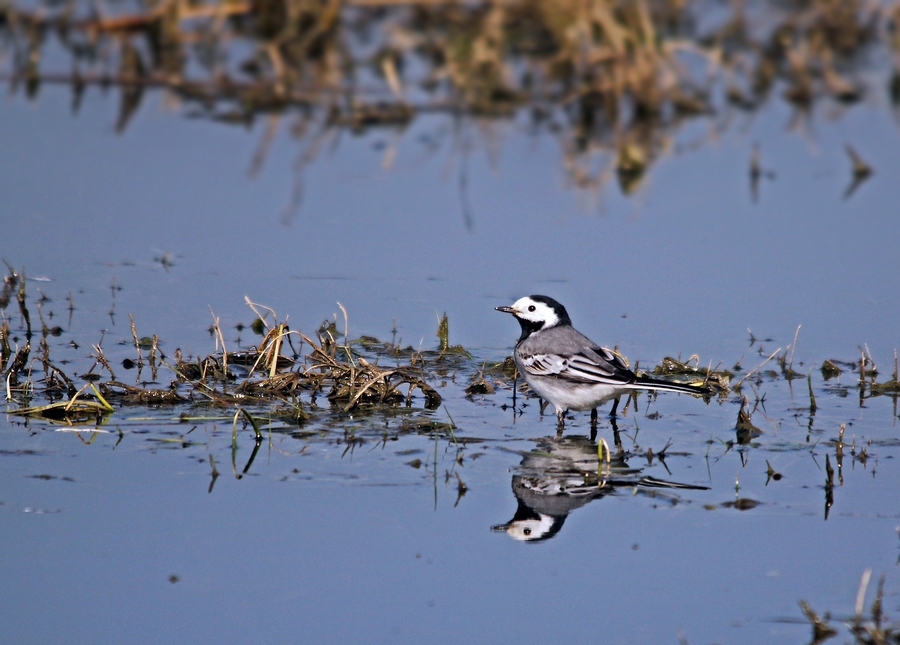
(648, 383)
(653, 482)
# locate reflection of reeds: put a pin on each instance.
(613, 76)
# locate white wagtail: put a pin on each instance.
(566, 368)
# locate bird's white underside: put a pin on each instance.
(566, 395)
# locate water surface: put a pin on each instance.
(118, 536)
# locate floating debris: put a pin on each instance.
(741, 504)
(694, 374)
(830, 369)
(744, 427)
(822, 631)
(861, 171)
(479, 385)
(443, 334)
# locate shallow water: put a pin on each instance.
(125, 536)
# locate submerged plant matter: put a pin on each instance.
(611, 79)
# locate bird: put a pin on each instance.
(566, 368)
(561, 475)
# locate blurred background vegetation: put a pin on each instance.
(612, 78)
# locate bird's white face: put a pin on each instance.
(530, 530)
(535, 312)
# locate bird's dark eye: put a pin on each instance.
(527, 531)
(532, 308)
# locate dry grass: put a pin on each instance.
(272, 375)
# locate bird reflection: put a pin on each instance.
(563, 474)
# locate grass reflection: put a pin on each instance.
(611, 80)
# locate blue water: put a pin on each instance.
(320, 545)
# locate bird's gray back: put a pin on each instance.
(568, 341)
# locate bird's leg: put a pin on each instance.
(544, 406)
(612, 412)
(593, 425)
(616, 438)
(560, 422)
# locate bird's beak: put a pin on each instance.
(506, 310)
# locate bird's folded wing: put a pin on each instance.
(583, 368)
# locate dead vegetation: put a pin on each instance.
(261, 376)
(872, 629)
(611, 79)
(696, 374)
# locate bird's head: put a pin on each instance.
(536, 313)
